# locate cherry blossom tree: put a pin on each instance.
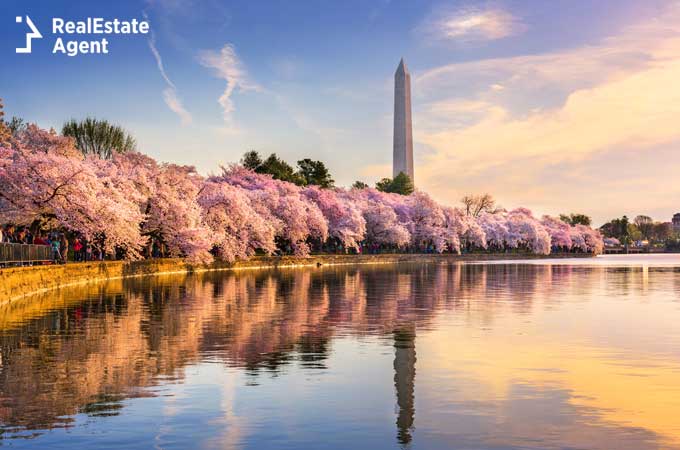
(428, 224)
(174, 214)
(517, 229)
(592, 239)
(524, 229)
(167, 196)
(578, 241)
(559, 231)
(38, 140)
(43, 181)
(298, 218)
(345, 221)
(469, 230)
(495, 228)
(383, 226)
(236, 228)
(137, 169)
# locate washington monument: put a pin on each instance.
(402, 158)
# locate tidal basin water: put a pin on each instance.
(573, 354)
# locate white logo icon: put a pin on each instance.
(29, 36)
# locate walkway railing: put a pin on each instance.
(24, 254)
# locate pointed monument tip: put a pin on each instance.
(402, 66)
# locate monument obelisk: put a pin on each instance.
(402, 158)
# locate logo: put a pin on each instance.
(64, 31)
(34, 34)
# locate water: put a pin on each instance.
(531, 355)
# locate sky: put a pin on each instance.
(559, 106)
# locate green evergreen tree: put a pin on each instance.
(251, 160)
(280, 170)
(384, 185)
(315, 173)
(620, 229)
(573, 219)
(401, 184)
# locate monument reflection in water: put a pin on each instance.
(506, 356)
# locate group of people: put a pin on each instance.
(66, 246)
(58, 242)
(81, 250)
(16, 235)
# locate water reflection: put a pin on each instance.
(509, 356)
(404, 380)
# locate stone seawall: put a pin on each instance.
(19, 282)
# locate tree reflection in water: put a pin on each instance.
(90, 348)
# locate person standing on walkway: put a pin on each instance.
(64, 248)
(78, 249)
(56, 254)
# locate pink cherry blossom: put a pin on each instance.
(383, 226)
(174, 214)
(44, 179)
(298, 219)
(559, 231)
(123, 203)
(469, 230)
(236, 228)
(345, 221)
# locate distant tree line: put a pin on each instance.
(642, 229)
(315, 173)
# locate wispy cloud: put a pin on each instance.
(472, 24)
(561, 120)
(170, 92)
(227, 65)
(175, 105)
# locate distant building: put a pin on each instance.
(403, 133)
(676, 222)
